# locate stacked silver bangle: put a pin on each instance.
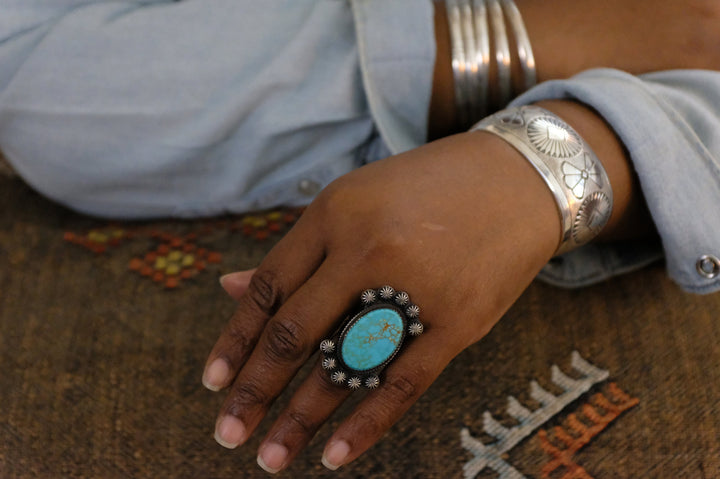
(565, 162)
(471, 22)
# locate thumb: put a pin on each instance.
(235, 284)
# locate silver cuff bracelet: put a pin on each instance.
(565, 162)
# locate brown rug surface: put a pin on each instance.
(104, 329)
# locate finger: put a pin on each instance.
(284, 270)
(313, 403)
(236, 284)
(289, 338)
(405, 380)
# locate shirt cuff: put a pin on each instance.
(396, 44)
(668, 126)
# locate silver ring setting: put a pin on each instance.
(370, 337)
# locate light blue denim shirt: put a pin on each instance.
(139, 109)
(669, 123)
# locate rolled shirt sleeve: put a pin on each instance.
(669, 123)
(142, 108)
(191, 108)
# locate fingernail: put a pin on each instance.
(230, 432)
(216, 374)
(224, 279)
(241, 276)
(272, 457)
(335, 454)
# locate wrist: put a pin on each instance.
(630, 218)
(503, 188)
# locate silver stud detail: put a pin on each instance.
(387, 292)
(354, 383)
(402, 298)
(329, 363)
(372, 382)
(708, 266)
(327, 346)
(412, 311)
(338, 377)
(368, 296)
(309, 187)
(416, 328)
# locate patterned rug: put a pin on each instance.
(104, 329)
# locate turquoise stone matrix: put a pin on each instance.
(372, 339)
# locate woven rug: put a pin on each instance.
(104, 329)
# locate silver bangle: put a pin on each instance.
(522, 40)
(469, 22)
(565, 162)
(470, 47)
(502, 52)
(471, 59)
(482, 48)
(459, 63)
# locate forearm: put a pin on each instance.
(571, 36)
(629, 218)
(637, 36)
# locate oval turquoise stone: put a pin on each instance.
(372, 339)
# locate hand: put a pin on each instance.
(463, 224)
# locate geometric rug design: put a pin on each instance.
(564, 441)
(174, 258)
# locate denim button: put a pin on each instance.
(309, 187)
(708, 266)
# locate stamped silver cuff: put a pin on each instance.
(565, 162)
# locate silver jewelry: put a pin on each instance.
(471, 58)
(482, 47)
(370, 338)
(469, 22)
(459, 62)
(502, 52)
(470, 47)
(565, 162)
(522, 40)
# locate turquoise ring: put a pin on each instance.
(370, 337)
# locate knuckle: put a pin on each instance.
(285, 341)
(246, 395)
(328, 203)
(397, 393)
(402, 388)
(238, 339)
(327, 387)
(265, 292)
(381, 244)
(335, 193)
(380, 249)
(369, 424)
(304, 422)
